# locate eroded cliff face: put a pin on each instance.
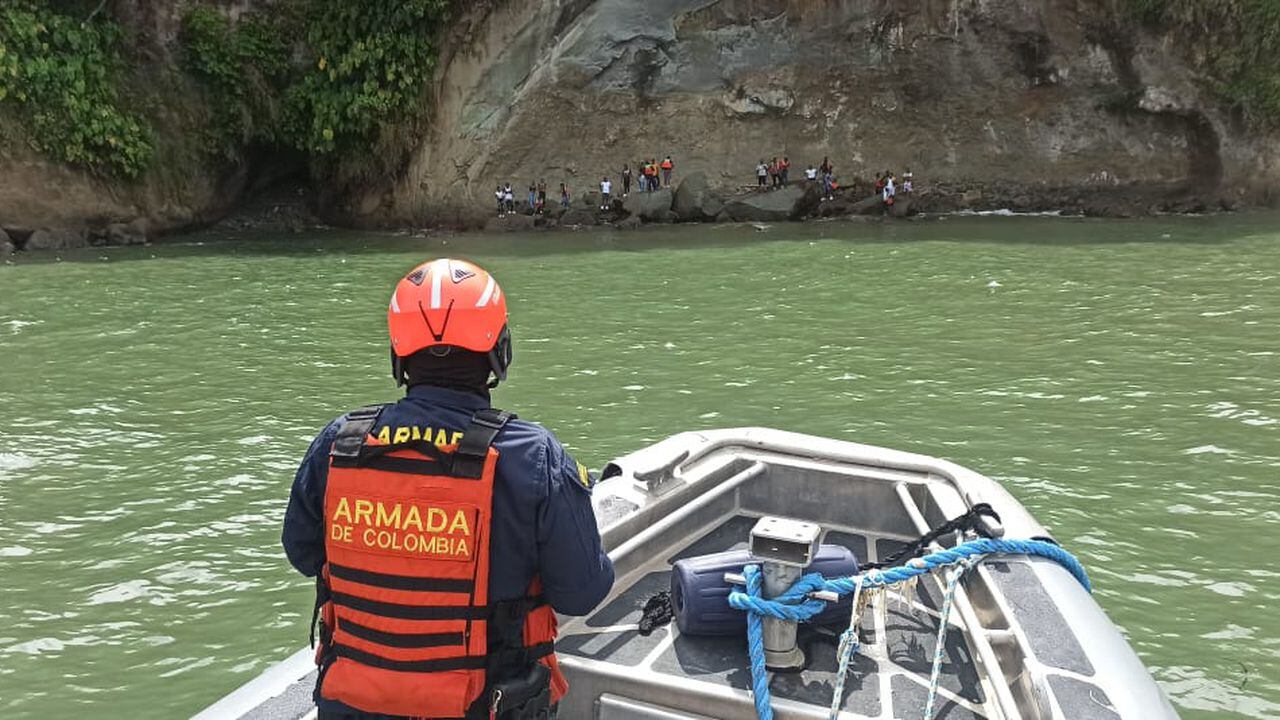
(1024, 103)
(1027, 104)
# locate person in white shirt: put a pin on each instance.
(907, 182)
(762, 173)
(811, 173)
(606, 187)
(509, 197)
(889, 189)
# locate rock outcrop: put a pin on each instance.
(1026, 94)
(650, 207)
(1026, 104)
(56, 239)
(695, 201)
(788, 203)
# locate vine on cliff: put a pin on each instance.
(370, 63)
(1237, 42)
(62, 74)
(245, 66)
(336, 79)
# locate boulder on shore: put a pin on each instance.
(694, 201)
(650, 206)
(789, 203)
(59, 239)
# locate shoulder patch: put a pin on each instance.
(584, 477)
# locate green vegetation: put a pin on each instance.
(371, 61)
(63, 76)
(332, 78)
(1236, 41)
(245, 68)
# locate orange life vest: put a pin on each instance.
(407, 627)
(666, 165)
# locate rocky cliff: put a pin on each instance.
(1032, 104)
(1029, 104)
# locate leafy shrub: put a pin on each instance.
(371, 62)
(63, 75)
(245, 68)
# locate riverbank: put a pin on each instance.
(1035, 107)
(288, 208)
(693, 200)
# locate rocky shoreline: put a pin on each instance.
(289, 209)
(693, 200)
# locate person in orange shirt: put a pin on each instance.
(667, 167)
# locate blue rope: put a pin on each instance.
(795, 605)
(755, 646)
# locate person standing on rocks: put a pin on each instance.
(502, 200)
(825, 168)
(542, 197)
(889, 190)
(626, 180)
(606, 187)
(564, 196)
(773, 173)
(667, 167)
(828, 184)
(762, 172)
(509, 197)
(783, 167)
(811, 173)
(907, 182)
(533, 198)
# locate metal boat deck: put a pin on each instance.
(1025, 640)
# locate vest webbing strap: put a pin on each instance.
(402, 640)
(465, 662)
(349, 441)
(410, 612)
(469, 457)
(400, 582)
(407, 466)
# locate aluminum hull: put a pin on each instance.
(1025, 641)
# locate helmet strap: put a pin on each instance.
(500, 357)
(397, 369)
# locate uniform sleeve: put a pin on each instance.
(303, 535)
(576, 573)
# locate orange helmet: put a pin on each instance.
(444, 304)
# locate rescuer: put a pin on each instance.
(444, 534)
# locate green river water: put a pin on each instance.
(1120, 377)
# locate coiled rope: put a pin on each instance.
(797, 605)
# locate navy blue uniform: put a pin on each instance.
(543, 523)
